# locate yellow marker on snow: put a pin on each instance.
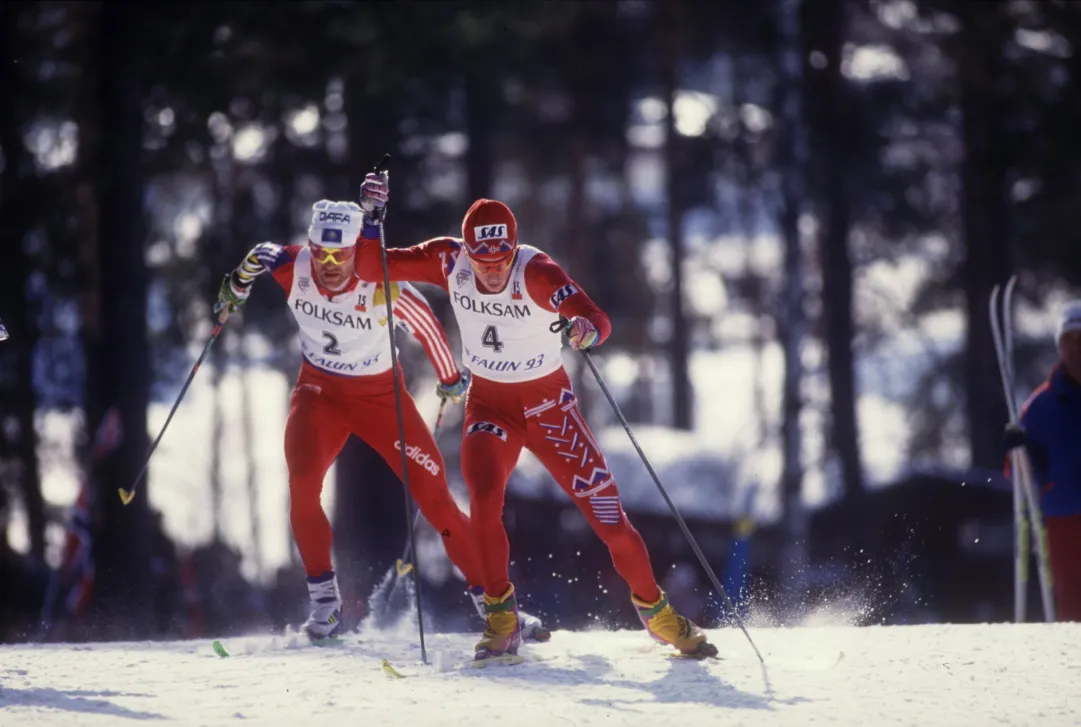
(391, 671)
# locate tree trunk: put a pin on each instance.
(824, 27)
(481, 109)
(219, 238)
(682, 414)
(217, 428)
(243, 226)
(18, 443)
(117, 342)
(985, 220)
(792, 323)
(751, 182)
(577, 240)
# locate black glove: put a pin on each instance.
(1014, 437)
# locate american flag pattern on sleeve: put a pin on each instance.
(450, 257)
(266, 256)
(419, 319)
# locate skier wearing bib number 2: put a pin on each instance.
(346, 385)
(505, 297)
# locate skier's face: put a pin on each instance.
(493, 276)
(1069, 349)
(333, 266)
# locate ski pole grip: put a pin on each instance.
(563, 324)
(380, 167)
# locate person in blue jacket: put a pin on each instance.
(1050, 431)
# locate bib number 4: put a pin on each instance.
(490, 339)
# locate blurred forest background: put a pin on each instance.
(793, 210)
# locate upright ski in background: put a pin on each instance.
(1028, 519)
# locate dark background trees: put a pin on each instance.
(833, 187)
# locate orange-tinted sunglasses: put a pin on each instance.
(497, 266)
(332, 255)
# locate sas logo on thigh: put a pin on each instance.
(489, 427)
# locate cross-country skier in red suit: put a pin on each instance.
(505, 297)
(345, 386)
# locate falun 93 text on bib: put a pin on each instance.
(506, 335)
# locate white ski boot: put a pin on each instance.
(325, 621)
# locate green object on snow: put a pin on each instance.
(219, 649)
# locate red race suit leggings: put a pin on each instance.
(324, 410)
(542, 416)
(1064, 552)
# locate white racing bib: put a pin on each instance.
(506, 336)
(346, 335)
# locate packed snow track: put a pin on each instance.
(882, 676)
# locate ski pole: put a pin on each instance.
(380, 215)
(562, 326)
(126, 496)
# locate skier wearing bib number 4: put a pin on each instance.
(346, 386)
(505, 297)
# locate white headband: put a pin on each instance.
(335, 224)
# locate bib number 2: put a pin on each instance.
(490, 339)
(331, 349)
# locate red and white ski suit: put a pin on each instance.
(520, 396)
(346, 386)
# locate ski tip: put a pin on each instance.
(707, 649)
(219, 649)
(542, 635)
(402, 568)
(391, 671)
(704, 650)
(126, 496)
(325, 641)
(508, 659)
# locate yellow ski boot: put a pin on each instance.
(665, 625)
(502, 637)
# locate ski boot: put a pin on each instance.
(501, 635)
(531, 627)
(668, 627)
(325, 621)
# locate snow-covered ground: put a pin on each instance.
(837, 675)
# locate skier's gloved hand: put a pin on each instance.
(1014, 437)
(454, 391)
(581, 334)
(374, 192)
(230, 297)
